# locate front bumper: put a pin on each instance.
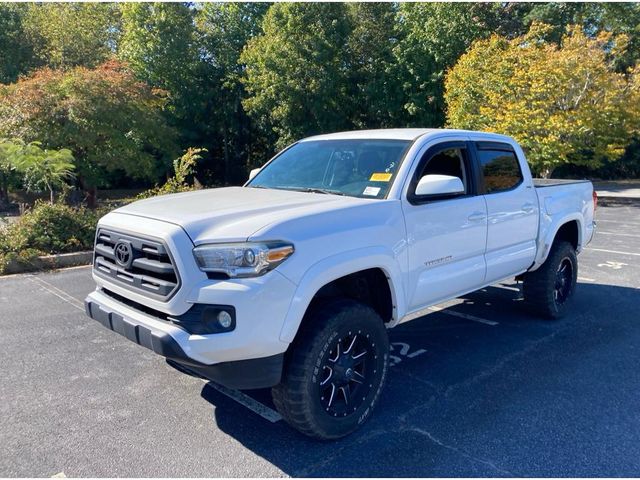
(160, 342)
(167, 340)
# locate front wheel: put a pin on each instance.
(550, 288)
(335, 370)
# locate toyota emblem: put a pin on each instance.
(123, 253)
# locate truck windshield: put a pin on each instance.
(357, 168)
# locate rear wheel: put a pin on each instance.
(549, 289)
(335, 370)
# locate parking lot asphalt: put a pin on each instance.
(481, 388)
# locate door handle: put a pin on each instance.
(477, 217)
(528, 207)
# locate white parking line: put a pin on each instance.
(463, 315)
(585, 279)
(614, 251)
(599, 232)
(614, 224)
(246, 401)
(507, 287)
(61, 294)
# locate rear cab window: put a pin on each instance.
(499, 166)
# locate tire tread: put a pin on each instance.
(290, 397)
(538, 285)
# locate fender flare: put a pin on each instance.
(544, 244)
(337, 266)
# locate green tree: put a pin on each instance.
(158, 43)
(110, 121)
(373, 76)
(69, 34)
(16, 50)
(296, 71)
(433, 36)
(165, 49)
(563, 104)
(223, 31)
(594, 18)
(43, 169)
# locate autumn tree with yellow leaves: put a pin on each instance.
(564, 103)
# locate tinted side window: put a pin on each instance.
(450, 161)
(500, 169)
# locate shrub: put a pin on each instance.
(111, 122)
(48, 229)
(183, 168)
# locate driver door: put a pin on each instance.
(446, 235)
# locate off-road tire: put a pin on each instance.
(304, 401)
(544, 291)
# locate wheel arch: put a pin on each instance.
(375, 266)
(568, 228)
(570, 232)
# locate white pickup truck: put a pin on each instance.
(292, 280)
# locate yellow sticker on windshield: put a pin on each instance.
(380, 177)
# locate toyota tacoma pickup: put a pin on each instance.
(292, 280)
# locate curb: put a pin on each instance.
(47, 262)
(614, 201)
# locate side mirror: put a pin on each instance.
(439, 185)
(253, 173)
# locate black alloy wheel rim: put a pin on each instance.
(347, 373)
(564, 280)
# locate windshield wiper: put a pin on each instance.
(303, 189)
(318, 190)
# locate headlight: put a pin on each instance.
(242, 259)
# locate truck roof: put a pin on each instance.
(389, 134)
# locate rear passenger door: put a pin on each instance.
(512, 209)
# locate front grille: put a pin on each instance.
(140, 264)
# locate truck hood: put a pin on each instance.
(233, 213)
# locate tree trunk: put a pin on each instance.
(225, 142)
(91, 194)
(92, 197)
(4, 190)
(51, 197)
